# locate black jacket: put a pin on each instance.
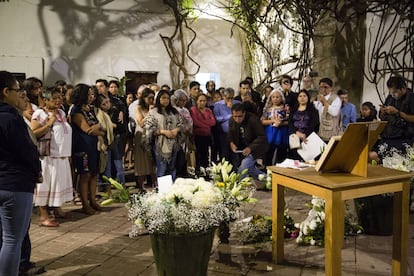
(253, 135)
(19, 159)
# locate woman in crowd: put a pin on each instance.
(113, 154)
(143, 162)
(162, 125)
(203, 120)
(303, 120)
(368, 112)
(222, 113)
(276, 125)
(33, 88)
(20, 170)
(215, 131)
(129, 147)
(86, 129)
(179, 100)
(56, 188)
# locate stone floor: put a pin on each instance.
(100, 245)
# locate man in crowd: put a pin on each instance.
(247, 139)
(398, 111)
(194, 92)
(328, 105)
(348, 110)
(251, 103)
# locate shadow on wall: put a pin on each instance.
(87, 27)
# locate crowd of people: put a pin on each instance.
(57, 142)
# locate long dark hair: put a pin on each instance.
(169, 108)
(309, 105)
(29, 85)
(145, 93)
(373, 111)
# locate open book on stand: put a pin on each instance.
(349, 153)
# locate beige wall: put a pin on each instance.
(80, 42)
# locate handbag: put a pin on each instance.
(294, 141)
(43, 144)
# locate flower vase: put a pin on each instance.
(182, 254)
(224, 231)
(375, 214)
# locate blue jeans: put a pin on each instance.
(26, 252)
(15, 213)
(166, 168)
(113, 155)
(249, 162)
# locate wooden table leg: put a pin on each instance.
(278, 206)
(334, 233)
(400, 231)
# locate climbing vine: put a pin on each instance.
(280, 36)
(179, 43)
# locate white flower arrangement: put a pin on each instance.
(189, 206)
(396, 160)
(312, 229)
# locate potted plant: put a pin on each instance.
(181, 223)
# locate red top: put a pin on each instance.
(202, 121)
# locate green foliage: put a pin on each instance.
(258, 228)
(121, 194)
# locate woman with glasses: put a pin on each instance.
(20, 170)
(162, 129)
(56, 188)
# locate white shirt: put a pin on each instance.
(333, 109)
(132, 110)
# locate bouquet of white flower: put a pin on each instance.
(396, 160)
(191, 205)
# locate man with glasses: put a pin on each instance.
(247, 139)
(328, 105)
(26, 267)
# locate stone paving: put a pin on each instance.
(100, 245)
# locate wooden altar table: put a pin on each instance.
(335, 188)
